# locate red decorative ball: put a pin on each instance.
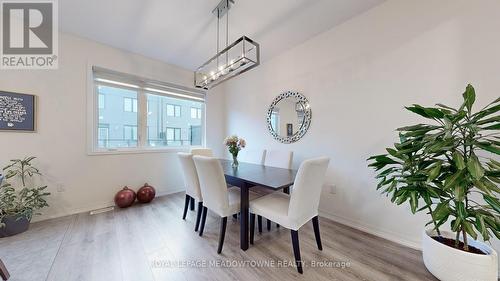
(146, 194)
(125, 197)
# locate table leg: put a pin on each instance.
(286, 190)
(244, 217)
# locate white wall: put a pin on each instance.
(216, 121)
(357, 77)
(88, 182)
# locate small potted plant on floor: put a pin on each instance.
(19, 196)
(447, 169)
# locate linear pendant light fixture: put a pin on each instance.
(239, 57)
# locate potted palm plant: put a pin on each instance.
(447, 169)
(19, 196)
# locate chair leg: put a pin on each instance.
(222, 233)
(3, 271)
(198, 216)
(186, 203)
(252, 227)
(203, 219)
(316, 232)
(268, 225)
(192, 204)
(259, 222)
(296, 250)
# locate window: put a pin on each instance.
(103, 135)
(173, 134)
(195, 135)
(117, 121)
(195, 113)
(129, 133)
(102, 101)
(164, 116)
(130, 104)
(173, 110)
(136, 113)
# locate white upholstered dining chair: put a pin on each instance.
(294, 210)
(253, 156)
(202, 151)
(217, 197)
(279, 159)
(191, 184)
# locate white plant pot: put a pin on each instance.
(450, 264)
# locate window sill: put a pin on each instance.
(143, 150)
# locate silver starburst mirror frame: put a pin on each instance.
(289, 117)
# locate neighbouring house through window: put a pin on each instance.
(133, 113)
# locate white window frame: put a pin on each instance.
(100, 76)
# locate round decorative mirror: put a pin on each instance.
(288, 117)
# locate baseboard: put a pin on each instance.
(373, 230)
(95, 207)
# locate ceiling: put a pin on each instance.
(183, 32)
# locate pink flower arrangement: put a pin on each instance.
(242, 143)
(234, 144)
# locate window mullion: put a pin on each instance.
(142, 121)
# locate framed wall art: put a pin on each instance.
(17, 112)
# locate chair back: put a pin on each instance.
(202, 151)
(212, 183)
(304, 200)
(190, 175)
(254, 156)
(278, 158)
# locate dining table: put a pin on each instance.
(247, 175)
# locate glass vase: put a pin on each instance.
(235, 161)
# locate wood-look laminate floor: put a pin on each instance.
(152, 242)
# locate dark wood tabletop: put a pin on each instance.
(255, 174)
